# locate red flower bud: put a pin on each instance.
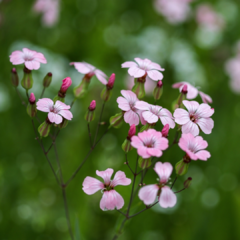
(66, 83)
(184, 89)
(111, 81)
(159, 84)
(32, 98)
(132, 131)
(92, 105)
(165, 130)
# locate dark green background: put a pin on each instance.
(106, 33)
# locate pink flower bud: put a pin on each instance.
(185, 89)
(188, 182)
(132, 131)
(92, 105)
(32, 98)
(66, 83)
(165, 131)
(111, 81)
(159, 84)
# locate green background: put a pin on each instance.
(106, 33)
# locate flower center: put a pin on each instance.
(193, 118)
(28, 58)
(54, 110)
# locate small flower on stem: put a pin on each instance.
(90, 114)
(31, 108)
(30, 58)
(111, 199)
(197, 116)
(158, 90)
(106, 92)
(187, 182)
(56, 111)
(47, 79)
(126, 146)
(165, 131)
(166, 196)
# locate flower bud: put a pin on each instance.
(106, 92)
(126, 146)
(82, 88)
(31, 107)
(47, 80)
(44, 128)
(182, 96)
(165, 131)
(188, 182)
(181, 167)
(116, 120)
(66, 83)
(144, 163)
(184, 89)
(27, 80)
(139, 89)
(14, 77)
(158, 90)
(90, 114)
(63, 124)
(111, 81)
(132, 131)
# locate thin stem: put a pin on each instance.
(90, 136)
(180, 190)
(84, 160)
(121, 212)
(120, 229)
(54, 139)
(20, 96)
(27, 94)
(99, 121)
(42, 92)
(73, 102)
(174, 140)
(58, 163)
(128, 165)
(45, 153)
(174, 182)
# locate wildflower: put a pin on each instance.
(56, 111)
(166, 196)
(31, 59)
(111, 199)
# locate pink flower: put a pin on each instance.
(66, 83)
(110, 199)
(149, 143)
(152, 113)
(196, 116)
(192, 92)
(144, 67)
(90, 70)
(55, 111)
(127, 104)
(32, 59)
(167, 197)
(194, 146)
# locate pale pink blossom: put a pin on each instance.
(30, 58)
(149, 143)
(111, 199)
(144, 67)
(175, 11)
(192, 92)
(207, 17)
(194, 147)
(50, 10)
(127, 104)
(151, 113)
(167, 197)
(90, 70)
(197, 116)
(56, 111)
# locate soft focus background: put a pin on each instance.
(194, 41)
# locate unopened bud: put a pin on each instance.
(82, 88)
(90, 114)
(47, 80)
(144, 163)
(139, 89)
(92, 105)
(132, 131)
(188, 182)
(44, 128)
(158, 90)
(31, 107)
(116, 120)
(181, 167)
(111, 81)
(63, 124)
(126, 146)
(27, 80)
(32, 98)
(184, 89)
(165, 131)
(66, 83)
(14, 77)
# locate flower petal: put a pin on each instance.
(101, 77)
(54, 118)
(190, 127)
(120, 179)
(204, 111)
(123, 104)
(131, 118)
(205, 98)
(141, 105)
(111, 200)
(164, 170)
(148, 193)
(105, 175)
(206, 125)
(136, 72)
(44, 104)
(136, 142)
(32, 65)
(150, 117)
(66, 114)
(92, 185)
(155, 75)
(128, 64)
(129, 95)
(154, 152)
(181, 116)
(167, 197)
(81, 67)
(203, 155)
(191, 106)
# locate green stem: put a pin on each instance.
(95, 138)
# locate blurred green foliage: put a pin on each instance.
(106, 33)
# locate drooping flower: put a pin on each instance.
(149, 143)
(90, 70)
(111, 199)
(56, 111)
(151, 113)
(167, 197)
(192, 92)
(194, 147)
(197, 116)
(127, 104)
(30, 58)
(144, 67)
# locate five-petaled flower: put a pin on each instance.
(167, 197)
(32, 59)
(110, 199)
(198, 115)
(149, 143)
(144, 67)
(56, 111)
(194, 147)
(89, 70)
